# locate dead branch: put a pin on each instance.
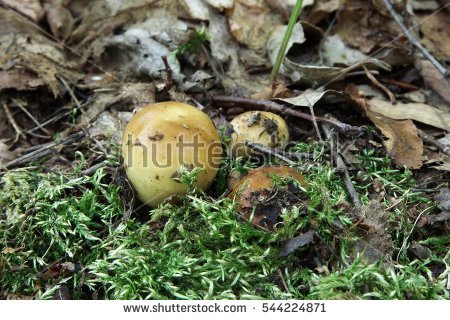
(37, 154)
(413, 39)
(430, 140)
(270, 151)
(252, 104)
(19, 132)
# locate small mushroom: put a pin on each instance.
(261, 127)
(263, 194)
(163, 138)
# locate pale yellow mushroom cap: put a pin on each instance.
(162, 138)
(261, 127)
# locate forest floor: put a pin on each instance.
(369, 119)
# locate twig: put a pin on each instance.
(71, 93)
(413, 39)
(169, 75)
(430, 140)
(348, 181)
(55, 118)
(37, 154)
(94, 168)
(270, 151)
(410, 232)
(342, 168)
(22, 107)
(19, 132)
(376, 83)
(286, 288)
(251, 104)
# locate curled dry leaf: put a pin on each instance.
(60, 21)
(135, 54)
(403, 142)
(274, 43)
(19, 79)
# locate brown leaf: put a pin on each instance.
(19, 79)
(60, 21)
(415, 111)
(434, 79)
(435, 28)
(251, 22)
(403, 142)
(374, 242)
(30, 8)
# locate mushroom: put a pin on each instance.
(261, 127)
(263, 194)
(160, 140)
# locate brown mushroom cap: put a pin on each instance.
(162, 138)
(262, 127)
(259, 198)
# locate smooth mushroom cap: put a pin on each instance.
(159, 140)
(262, 127)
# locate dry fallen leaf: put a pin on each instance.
(420, 112)
(435, 28)
(310, 97)
(251, 22)
(403, 143)
(30, 8)
(197, 9)
(434, 79)
(221, 4)
(374, 242)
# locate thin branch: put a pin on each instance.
(71, 93)
(270, 151)
(94, 168)
(430, 140)
(377, 84)
(22, 107)
(342, 168)
(37, 154)
(405, 242)
(169, 75)
(283, 282)
(413, 39)
(19, 132)
(252, 104)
